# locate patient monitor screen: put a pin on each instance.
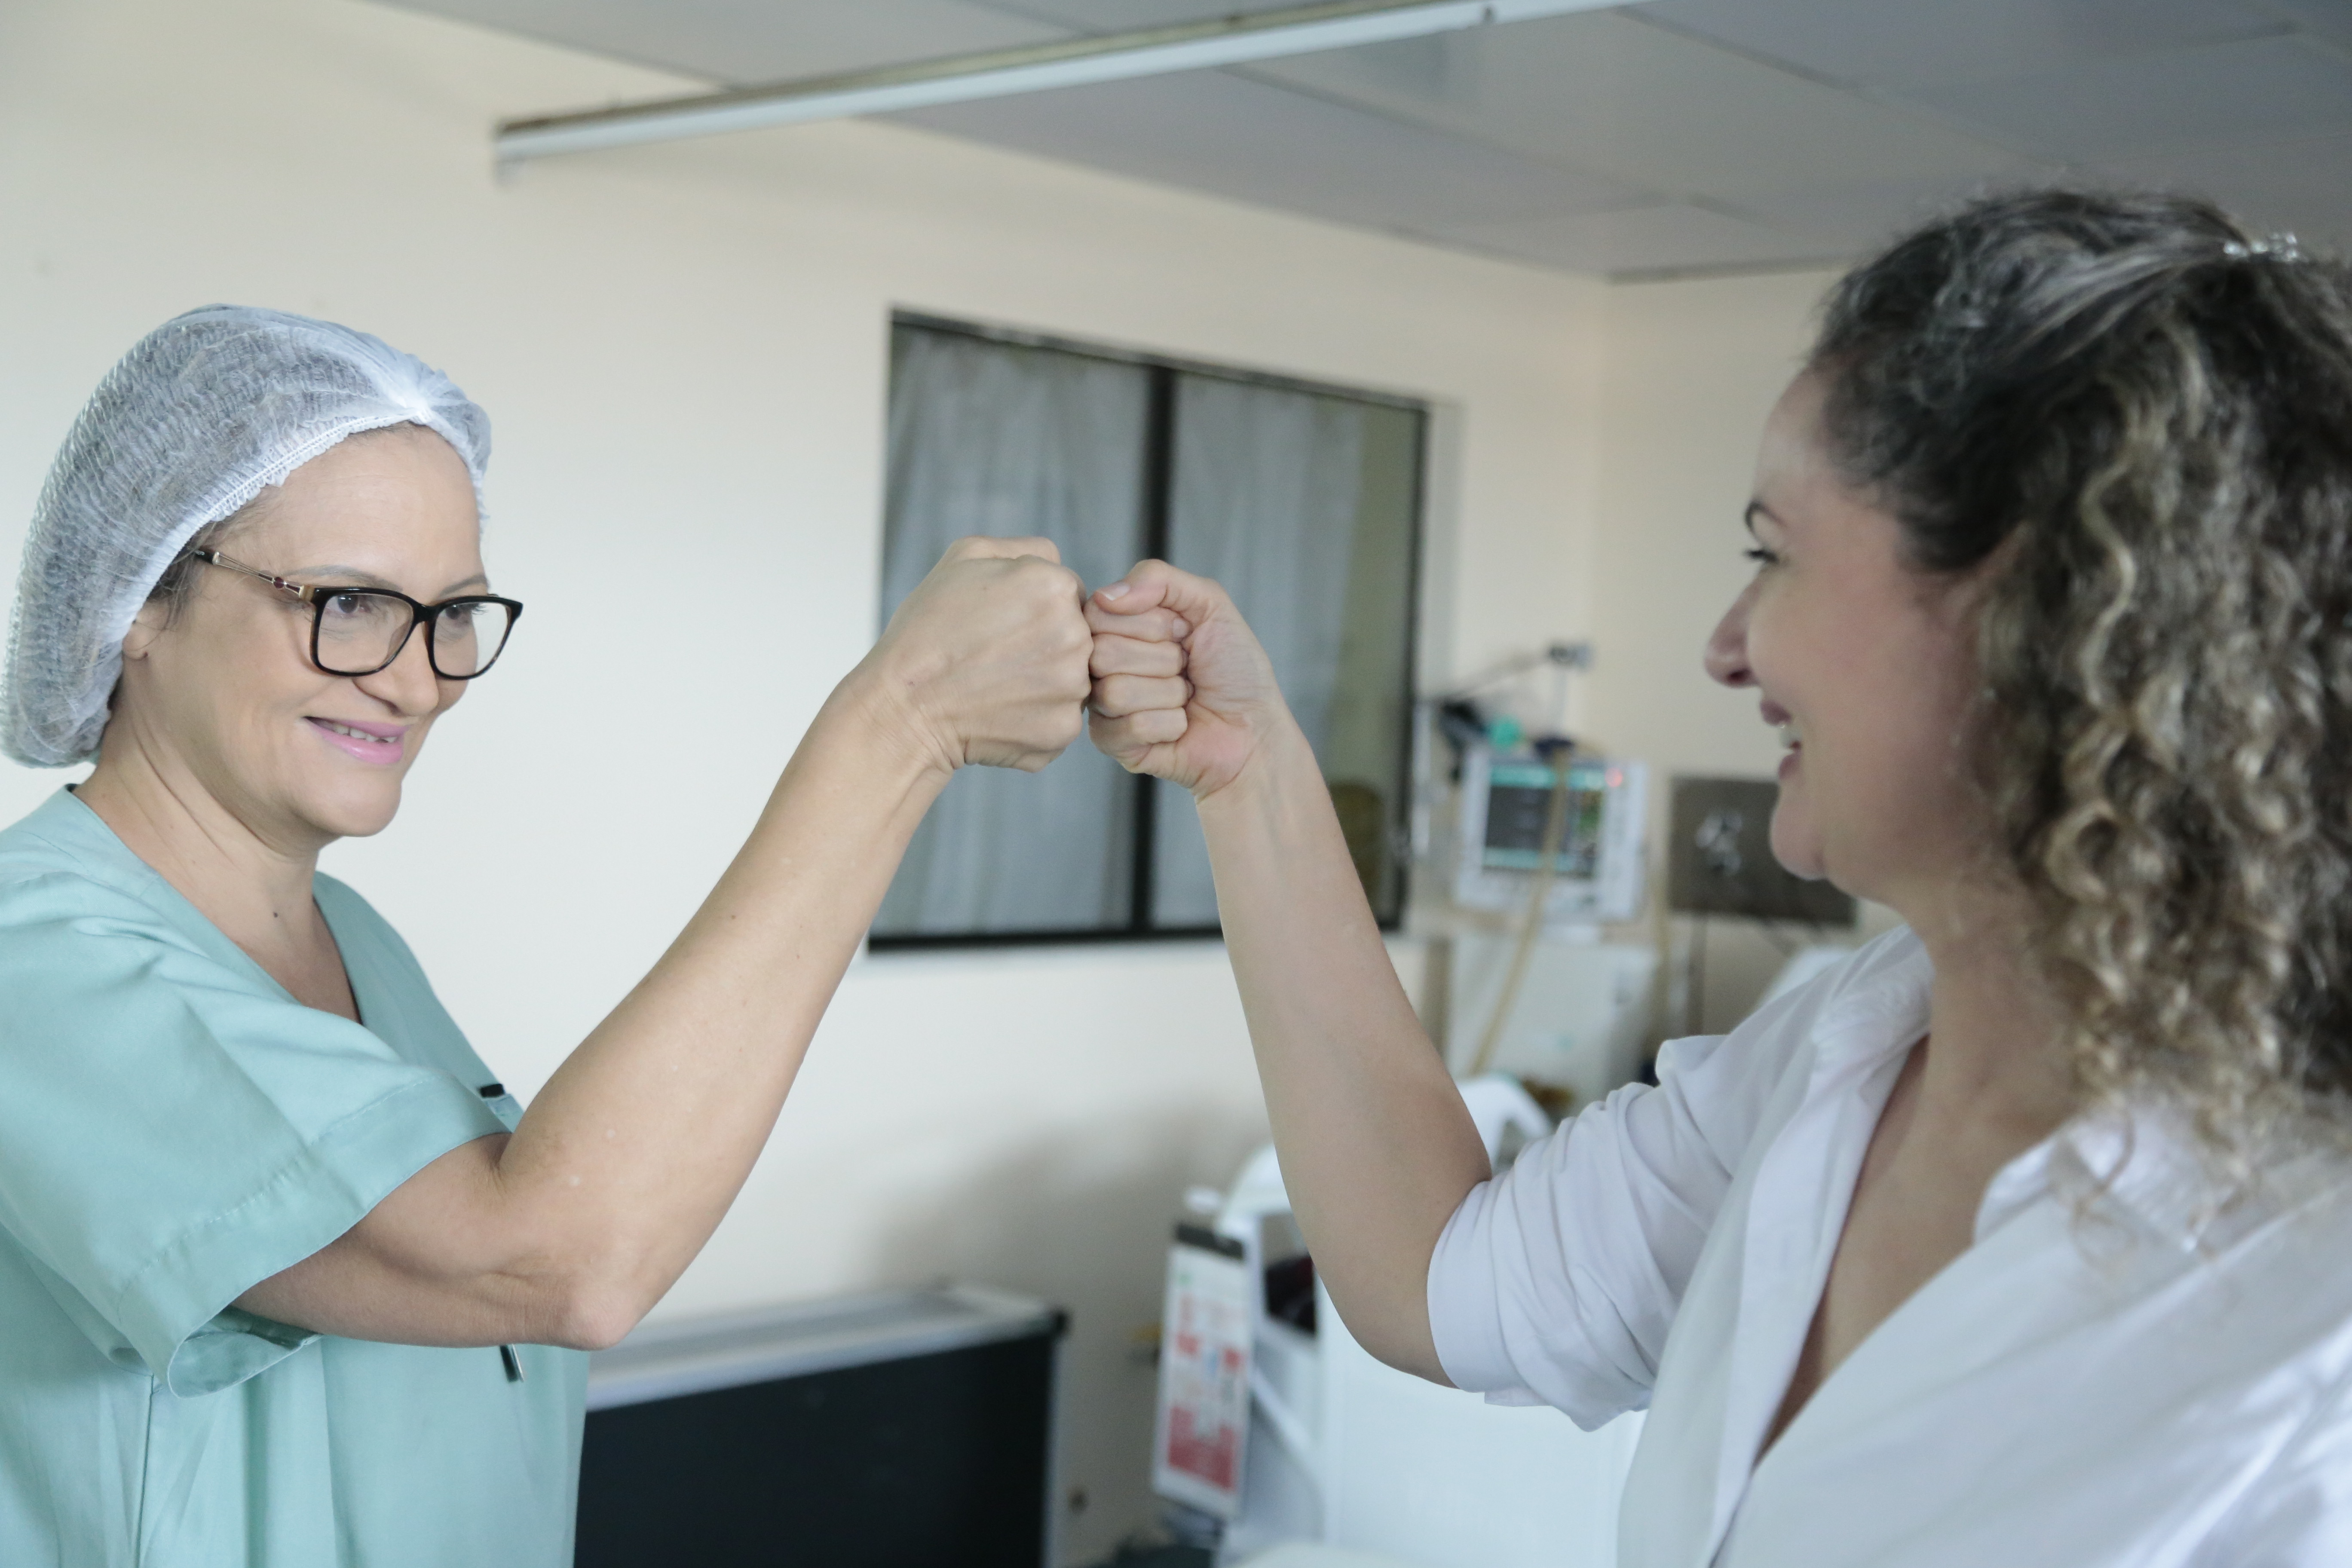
(1518, 803)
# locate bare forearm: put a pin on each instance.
(637, 1145)
(1377, 1149)
(573, 1228)
(625, 1163)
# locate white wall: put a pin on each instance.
(1690, 370)
(683, 350)
(1692, 367)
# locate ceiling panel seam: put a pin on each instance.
(1413, 122)
(1862, 92)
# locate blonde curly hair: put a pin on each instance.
(2135, 416)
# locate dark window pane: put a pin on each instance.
(995, 439)
(1367, 740)
(1303, 505)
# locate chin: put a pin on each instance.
(1796, 844)
(353, 815)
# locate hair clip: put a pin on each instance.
(2276, 247)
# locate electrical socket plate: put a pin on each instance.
(1719, 858)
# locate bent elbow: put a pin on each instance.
(1393, 1333)
(1415, 1360)
(596, 1316)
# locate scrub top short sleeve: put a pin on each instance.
(174, 1129)
(173, 1134)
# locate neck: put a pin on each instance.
(256, 889)
(1996, 1056)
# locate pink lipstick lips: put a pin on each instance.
(382, 744)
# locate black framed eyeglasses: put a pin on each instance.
(358, 631)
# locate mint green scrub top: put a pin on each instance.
(175, 1128)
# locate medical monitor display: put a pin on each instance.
(1518, 809)
(1506, 803)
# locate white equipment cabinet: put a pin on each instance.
(1348, 1452)
(1581, 1016)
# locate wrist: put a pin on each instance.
(1276, 756)
(879, 708)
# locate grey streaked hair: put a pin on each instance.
(2134, 417)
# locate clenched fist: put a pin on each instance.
(1181, 689)
(986, 661)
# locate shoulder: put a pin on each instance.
(87, 928)
(52, 875)
(1873, 999)
(1888, 973)
(60, 851)
(2292, 1365)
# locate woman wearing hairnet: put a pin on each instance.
(286, 1277)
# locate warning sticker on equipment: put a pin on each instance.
(1205, 1361)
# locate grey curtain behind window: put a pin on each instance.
(994, 439)
(1266, 500)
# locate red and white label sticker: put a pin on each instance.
(1204, 1399)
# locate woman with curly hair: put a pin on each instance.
(2025, 1235)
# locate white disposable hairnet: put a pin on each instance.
(200, 416)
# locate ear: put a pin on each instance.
(146, 627)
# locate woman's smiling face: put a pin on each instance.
(224, 694)
(1868, 667)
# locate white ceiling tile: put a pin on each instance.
(748, 41)
(2304, 187)
(1258, 143)
(1671, 237)
(2263, 89)
(1871, 43)
(1643, 106)
(2326, 18)
(1652, 137)
(1863, 217)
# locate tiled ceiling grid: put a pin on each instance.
(1672, 136)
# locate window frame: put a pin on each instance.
(1159, 495)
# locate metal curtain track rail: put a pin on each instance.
(1031, 68)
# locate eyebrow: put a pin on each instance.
(1749, 514)
(359, 579)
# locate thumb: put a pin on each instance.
(1153, 585)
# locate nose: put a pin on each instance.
(407, 685)
(1726, 645)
